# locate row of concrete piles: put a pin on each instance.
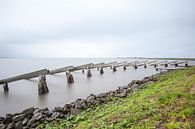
(42, 84)
(176, 64)
(70, 78)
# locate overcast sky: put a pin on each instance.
(97, 28)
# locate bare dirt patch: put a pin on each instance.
(192, 89)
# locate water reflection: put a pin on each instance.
(42, 99)
(6, 94)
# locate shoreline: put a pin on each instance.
(32, 117)
(166, 103)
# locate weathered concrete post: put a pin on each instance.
(186, 64)
(88, 72)
(124, 67)
(101, 70)
(45, 87)
(83, 71)
(114, 68)
(69, 77)
(5, 87)
(42, 85)
(145, 66)
(176, 64)
(166, 65)
(135, 66)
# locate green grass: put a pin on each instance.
(167, 103)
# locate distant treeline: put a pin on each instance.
(189, 59)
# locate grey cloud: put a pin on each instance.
(168, 24)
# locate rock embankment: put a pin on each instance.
(31, 117)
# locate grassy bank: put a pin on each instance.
(167, 103)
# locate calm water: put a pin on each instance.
(24, 93)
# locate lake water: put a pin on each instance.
(24, 93)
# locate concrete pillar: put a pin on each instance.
(42, 85)
(124, 67)
(113, 68)
(98, 68)
(5, 87)
(135, 66)
(176, 64)
(166, 65)
(89, 72)
(83, 71)
(186, 64)
(70, 78)
(145, 66)
(101, 70)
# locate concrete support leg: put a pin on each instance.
(70, 78)
(83, 71)
(98, 68)
(155, 65)
(101, 70)
(135, 66)
(5, 87)
(145, 66)
(89, 72)
(42, 85)
(114, 68)
(124, 67)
